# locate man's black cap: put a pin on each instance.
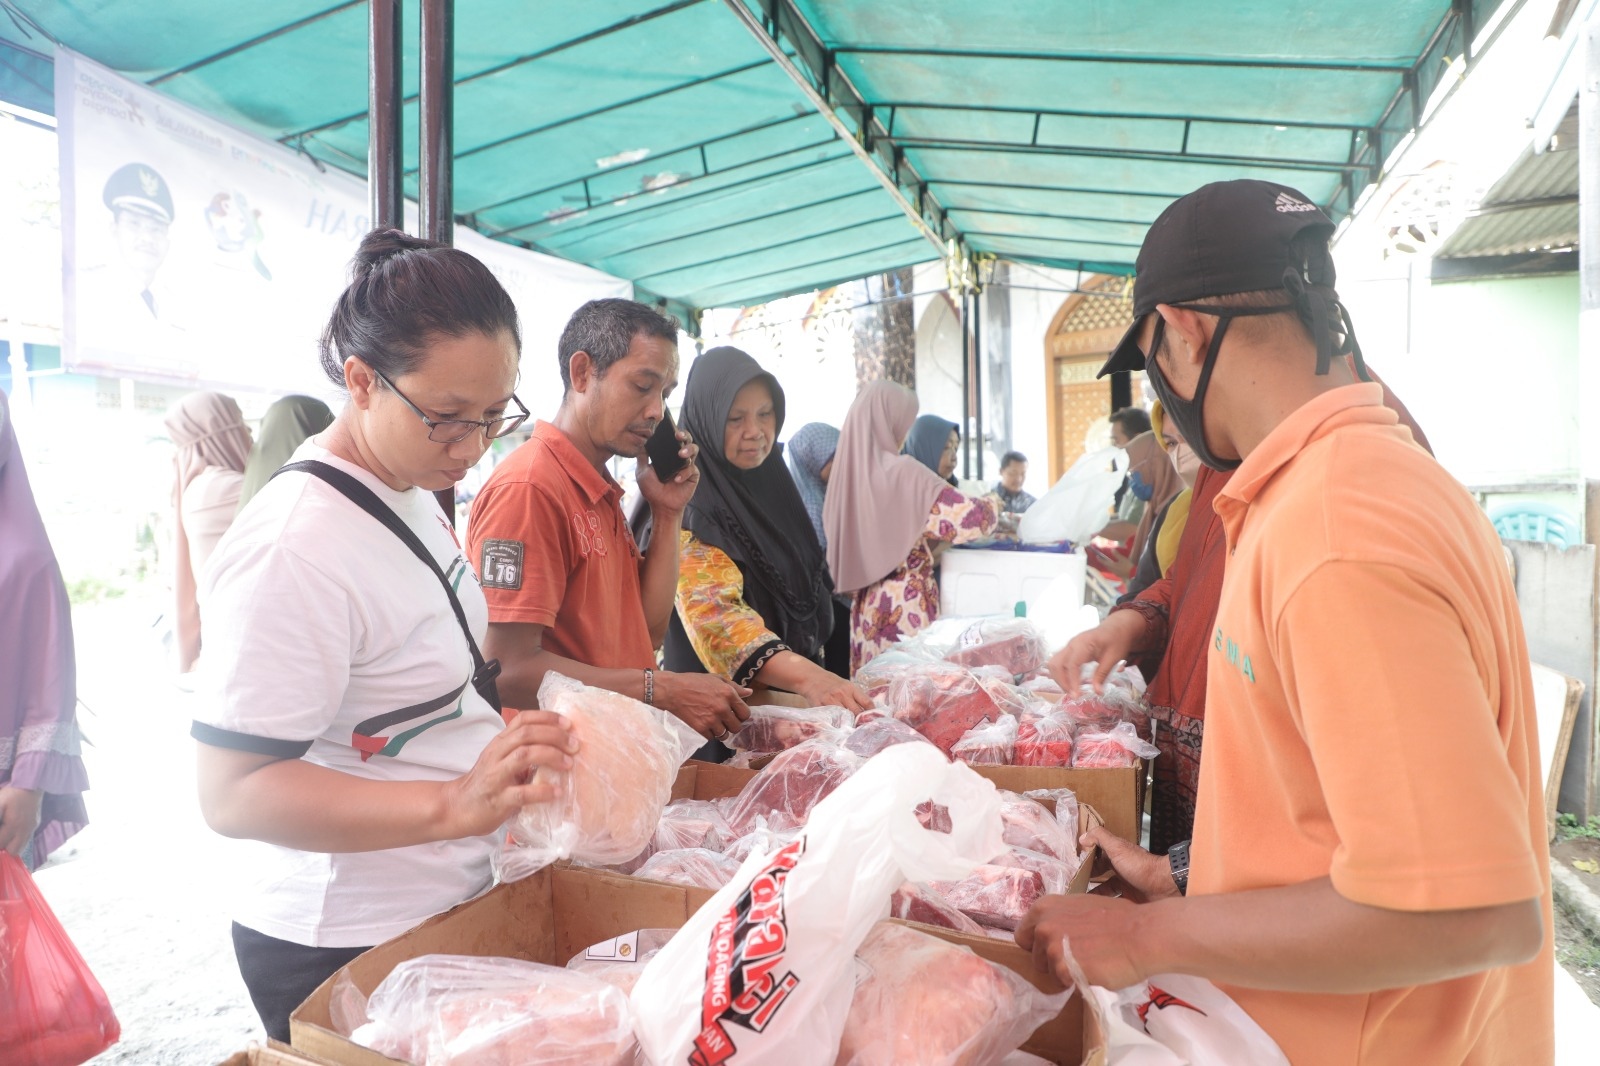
(139, 188)
(1223, 238)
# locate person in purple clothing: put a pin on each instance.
(42, 779)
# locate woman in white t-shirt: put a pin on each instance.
(343, 734)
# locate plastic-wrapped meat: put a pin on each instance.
(467, 1010)
(771, 832)
(912, 902)
(619, 961)
(1065, 802)
(942, 701)
(871, 737)
(875, 676)
(1043, 739)
(1044, 688)
(1012, 644)
(926, 1002)
(995, 896)
(1055, 874)
(988, 743)
(691, 823)
(792, 783)
(773, 728)
(695, 867)
(1118, 747)
(1026, 823)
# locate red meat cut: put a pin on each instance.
(995, 896)
(1011, 644)
(942, 701)
(792, 783)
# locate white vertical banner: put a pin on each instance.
(194, 252)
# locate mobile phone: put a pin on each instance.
(663, 447)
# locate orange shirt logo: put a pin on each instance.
(1237, 658)
(587, 527)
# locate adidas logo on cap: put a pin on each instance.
(1286, 203)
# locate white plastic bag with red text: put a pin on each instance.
(764, 973)
(1176, 1020)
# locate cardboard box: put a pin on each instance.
(1116, 795)
(561, 910)
(272, 1054)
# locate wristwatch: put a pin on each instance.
(1178, 859)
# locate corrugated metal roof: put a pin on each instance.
(1532, 208)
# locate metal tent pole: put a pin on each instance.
(384, 139)
(966, 376)
(975, 447)
(436, 150)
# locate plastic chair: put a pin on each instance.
(1538, 522)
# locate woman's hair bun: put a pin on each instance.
(381, 245)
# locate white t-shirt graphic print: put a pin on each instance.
(327, 639)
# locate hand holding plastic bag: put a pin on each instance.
(52, 1010)
(608, 805)
(764, 972)
(1079, 505)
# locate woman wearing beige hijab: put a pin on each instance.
(213, 445)
(883, 513)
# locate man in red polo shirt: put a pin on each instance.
(1368, 876)
(568, 588)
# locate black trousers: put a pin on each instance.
(280, 975)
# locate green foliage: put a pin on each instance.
(1570, 828)
(94, 590)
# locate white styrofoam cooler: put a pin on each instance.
(981, 582)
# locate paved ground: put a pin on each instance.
(139, 891)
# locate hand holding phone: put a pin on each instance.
(663, 448)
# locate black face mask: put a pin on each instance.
(1189, 415)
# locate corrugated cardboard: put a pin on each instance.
(273, 1054)
(1114, 794)
(561, 910)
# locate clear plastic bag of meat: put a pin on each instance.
(882, 669)
(993, 895)
(792, 784)
(941, 701)
(1044, 738)
(770, 833)
(1054, 873)
(912, 902)
(772, 729)
(763, 973)
(695, 867)
(1027, 823)
(1065, 802)
(470, 1010)
(926, 1002)
(988, 743)
(1044, 688)
(608, 805)
(619, 961)
(873, 736)
(692, 823)
(1013, 644)
(1114, 748)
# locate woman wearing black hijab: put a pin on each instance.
(754, 595)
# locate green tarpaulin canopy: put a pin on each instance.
(721, 152)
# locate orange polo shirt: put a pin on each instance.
(1369, 718)
(552, 548)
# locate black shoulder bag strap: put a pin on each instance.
(484, 673)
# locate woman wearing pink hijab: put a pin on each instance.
(883, 513)
(213, 446)
(41, 774)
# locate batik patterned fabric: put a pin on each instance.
(727, 634)
(907, 601)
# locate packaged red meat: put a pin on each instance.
(619, 961)
(792, 783)
(876, 675)
(995, 896)
(1043, 739)
(763, 973)
(941, 701)
(1054, 873)
(920, 903)
(1029, 824)
(926, 1002)
(469, 1010)
(871, 737)
(1113, 748)
(695, 867)
(988, 743)
(774, 728)
(608, 805)
(1044, 688)
(1013, 644)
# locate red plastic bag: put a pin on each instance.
(52, 1010)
